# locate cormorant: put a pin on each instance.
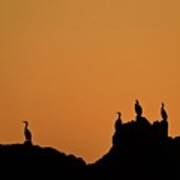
(163, 112)
(27, 132)
(138, 108)
(119, 115)
(118, 122)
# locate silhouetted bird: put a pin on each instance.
(163, 112)
(119, 116)
(138, 108)
(27, 132)
(118, 121)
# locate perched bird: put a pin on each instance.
(118, 122)
(27, 132)
(138, 108)
(119, 115)
(163, 112)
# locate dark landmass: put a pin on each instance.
(140, 150)
(31, 160)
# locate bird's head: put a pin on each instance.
(137, 101)
(119, 114)
(162, 105)
(26, 123)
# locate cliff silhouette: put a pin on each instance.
(140, 150)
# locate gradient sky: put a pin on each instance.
(68, 65)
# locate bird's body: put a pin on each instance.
(27, 132)
(138, 108)
(119, 115)
(163, 112)
(118, 122)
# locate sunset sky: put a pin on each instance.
(68, 65)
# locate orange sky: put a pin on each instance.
(68, 65)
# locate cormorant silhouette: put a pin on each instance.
(163, 112)
(119, 116)
(138, 108)
(117, 126)
(118, 121)
(27, 132)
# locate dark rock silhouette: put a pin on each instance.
(33, 161)
(140, 150)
